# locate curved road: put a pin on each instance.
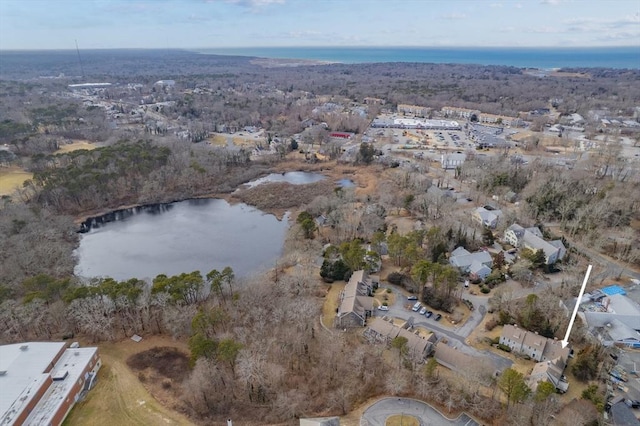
(378, 412)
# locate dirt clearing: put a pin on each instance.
(119, 397)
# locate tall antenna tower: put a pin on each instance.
(79, 60)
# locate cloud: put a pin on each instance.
(250, 4)
(496, 5)
(543, 30)
(455, 16)
(550, 2)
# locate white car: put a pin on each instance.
(383, 308)
(423, 311)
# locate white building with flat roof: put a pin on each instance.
(41, 381)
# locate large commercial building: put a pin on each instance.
(41, 381)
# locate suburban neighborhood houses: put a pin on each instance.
(532, 239)
(551, 356)
(432, 227)
(356, 301)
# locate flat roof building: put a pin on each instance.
(41, 381)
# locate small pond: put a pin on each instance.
(180, 237)
(346, 183)
(294, 178)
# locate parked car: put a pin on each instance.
(416, 307)
(383, 308)
(438, 317)
(428, 314)
(423, 311)
(412, 298)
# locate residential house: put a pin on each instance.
(478, 263)
(452, 358)
(532, 239)
(383, 331)
(548, 371)
(356, 303)
(551, 356)
(488, 218)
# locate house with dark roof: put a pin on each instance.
(384, 331)
(356, 302)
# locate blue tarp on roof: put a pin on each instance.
(613, 289)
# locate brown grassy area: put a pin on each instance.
(119, 397)
(219, 140)
(331, 303)
(402, 420)
(382, 296)
(12, 178)
(76, 145)
(279, 196)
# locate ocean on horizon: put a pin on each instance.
(539, 57)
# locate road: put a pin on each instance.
(377, 413)
(456, 336)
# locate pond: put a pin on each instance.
(294, 178)
(185, 236)
(346, 183)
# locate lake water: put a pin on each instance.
(181, 237)
(294, 178)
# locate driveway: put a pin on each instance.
(378, 412)
(455, 335)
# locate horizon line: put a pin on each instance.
(329, 46)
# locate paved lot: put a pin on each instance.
(377, 413)
(455, 335)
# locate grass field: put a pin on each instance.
(119, 398)
(331, 303)
(76, 146)
(402, 420)
(12, 178)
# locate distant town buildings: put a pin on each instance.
(41, 381)
(415, 110)
(481, 117)
(414, 123)
(452, 160)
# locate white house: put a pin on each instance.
(531, 238)
(488, 218)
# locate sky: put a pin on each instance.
(193, 24)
